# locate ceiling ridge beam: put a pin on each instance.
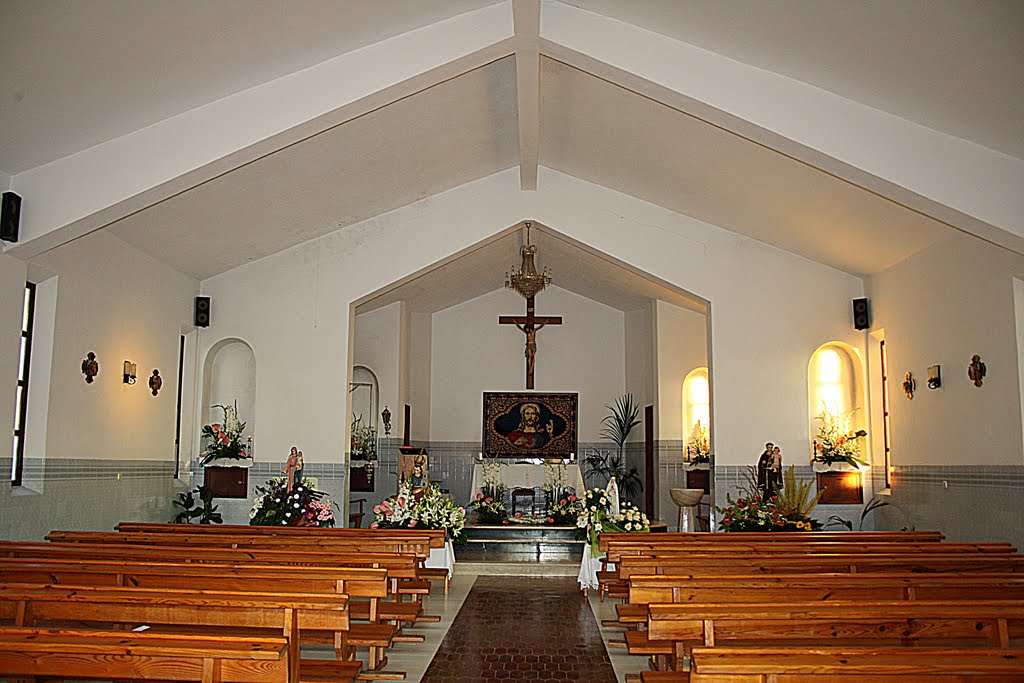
(526, 20)
(796, 151)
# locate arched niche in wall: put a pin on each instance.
(365, 396)
(835, 382)
(229, 376)
(696, 404)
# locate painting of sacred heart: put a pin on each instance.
(529, 425)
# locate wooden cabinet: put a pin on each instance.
(227, 482)
(841, 488)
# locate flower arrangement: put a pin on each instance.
(225, 437)
(754, 514)
(698, 450)
(596, 516)
(566, 511)
(837, 441)
(531, 520)
(429, 510)
(490, 509)
(555, 478)
(364, 440)
(787, 511)
(304, 506)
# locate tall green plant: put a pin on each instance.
(872, 505)
(796, 494)
(606, 465)
(617, 426)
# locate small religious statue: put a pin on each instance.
(769, 471)
(385, 416)
(155, 382)
(293, 468)
(909, 385)
(90, 367)
(976, 370)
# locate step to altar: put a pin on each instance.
(520, 544)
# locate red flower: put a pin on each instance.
(373, 525)
(519, 515)
(412, 523)
(550, 520)
(572, 498)
(488, 499)
(504, 521)
(479, 496)
(562, 502)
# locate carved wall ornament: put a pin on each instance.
(909, 385)
(976, 370)
(90, 367)
(155, 382)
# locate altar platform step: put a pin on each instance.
(520, 544)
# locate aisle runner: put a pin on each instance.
(513, 628)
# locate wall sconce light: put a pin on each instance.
(130, 371)
(934, 377)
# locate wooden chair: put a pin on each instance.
(355, 519)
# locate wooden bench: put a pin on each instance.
(851, 665)
(644, 590)
(355, 582)
(175, 612)
(436, 537)
(774, 536)
(993, 624)
(103, 655)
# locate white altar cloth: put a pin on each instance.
(589, 567)
(442, 557)
(527, 476)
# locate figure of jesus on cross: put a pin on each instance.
(529, 324)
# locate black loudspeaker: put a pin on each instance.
(10, 217)
(861, 314)
(202, 315)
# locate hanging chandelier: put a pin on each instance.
(528, 282)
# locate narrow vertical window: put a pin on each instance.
(21, 403)
(886, 434)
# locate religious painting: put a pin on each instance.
(529, 425)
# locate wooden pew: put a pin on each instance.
(993, 624)
(355, 582)
(142, 656)
(436, 537)
(846, 665)
(644, 590)
(779, 536)
(617, 550)
(295, 616)
(420, 547)
(719, 564)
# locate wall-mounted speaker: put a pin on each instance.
(10, 216)
(861, 314)
(202, 311)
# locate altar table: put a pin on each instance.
(527, 477)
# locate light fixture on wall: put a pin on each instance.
(130, 371)
(934, 377)
(528, 282)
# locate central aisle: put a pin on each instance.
(524, 627)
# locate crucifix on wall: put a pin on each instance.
(528, 282)
(529, 324)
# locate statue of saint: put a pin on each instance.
(293, 468)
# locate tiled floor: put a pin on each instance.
(523, 629)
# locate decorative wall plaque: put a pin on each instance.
(90, 367)
(976, 370)
(909, 385)
(155, 382)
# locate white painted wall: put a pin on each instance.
(377, 347)
(641, 361)
(123, 305)
(420, 356)
(682, 347)
(293, 307)
(942, 306)
(472, 353)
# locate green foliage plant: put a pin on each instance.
(872, 505)
(202, 511)
(795, 495)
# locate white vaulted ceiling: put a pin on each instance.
(77, 75)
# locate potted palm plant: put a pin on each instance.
(618, 424)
